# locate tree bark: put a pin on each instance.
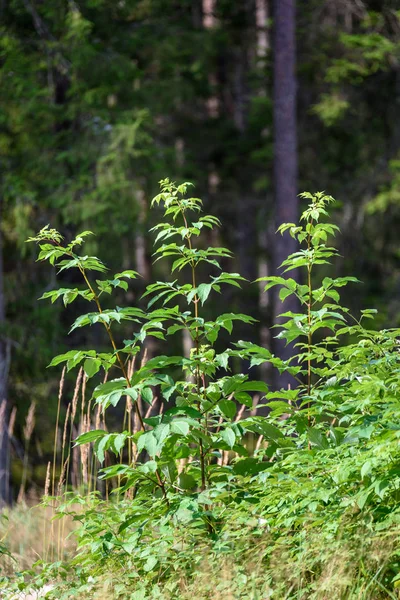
(4, 365)
(285, 153)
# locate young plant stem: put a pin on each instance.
(122, 366)
(309, 337)
(96, 299)
(112, 340)
(196, 299)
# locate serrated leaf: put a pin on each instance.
(119, 442)
(91, 366)
(147, 395)
(101, 446)
(317, 438)
(366, 468)
(250, 466)
(90, 436)
(203, 291)
(228, 436)
(228, 407)
(148, 441)
(180, 427)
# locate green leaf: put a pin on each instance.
(150, 563)
(187, 481)
(244, 398)
(91, 366)
(317, 438)
(203, 291)
(180, 427)
(100, 447)
(228, 407)
(73, 357)
(228, 436)
(110, 392)
(148, 441)
(119, 442)
(261, 426)
(132, 393)
(250, 466)
(366, 469)
(222, 360)
(90, 436)
(284, 293)
(147, 395)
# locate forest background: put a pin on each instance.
(99, 100)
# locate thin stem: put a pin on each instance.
(112, 340)
(309, 336)
(122, 366)
(203, 453)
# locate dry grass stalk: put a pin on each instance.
(29, 422)
(64, 440)
(11, 423)
(64, 464)
(131, 368)
(62, 479)
(53, 477)
(76, 394)
(258, 445)
(135, 453)
(103, 418)
(84, 461)
(47, 482)
(98, 417)
(83, 393)
(256, 399)
(76, 471)
(145, 358)
(240, 413)
(84, 448)
(46, 493)
(60, 392)
(28, 430)
(148, 412)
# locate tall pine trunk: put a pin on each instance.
(285, 152)
(247, 206)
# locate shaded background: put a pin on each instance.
(100, 99)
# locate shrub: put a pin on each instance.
(312, 511)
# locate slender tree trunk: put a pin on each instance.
(208, 13)
(247, 204)
(4, 364)
(262, 28)
(285, 151)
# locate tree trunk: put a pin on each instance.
(285, 153)
(4, 364)
(247, 205)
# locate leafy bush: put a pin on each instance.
(312, 512)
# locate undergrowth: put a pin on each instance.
(197, 495)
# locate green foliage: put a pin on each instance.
(93, 112)
(201, 425)
(322, 485)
